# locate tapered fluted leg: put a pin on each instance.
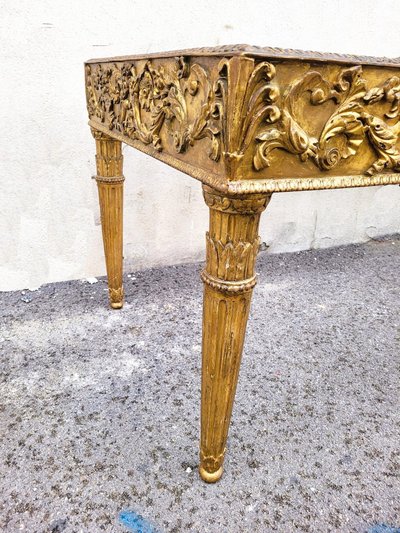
(229, 277)
(110, 183)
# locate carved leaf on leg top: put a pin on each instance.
(231, 260)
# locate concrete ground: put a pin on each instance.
(100, 408)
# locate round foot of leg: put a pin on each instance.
(210, 477)
(116, 305)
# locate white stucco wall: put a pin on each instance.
(49, 224)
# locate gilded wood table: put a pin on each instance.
(246, 122)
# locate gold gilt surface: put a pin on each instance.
(247, 119)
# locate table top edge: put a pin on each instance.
(259, 53)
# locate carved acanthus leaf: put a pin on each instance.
(246, 105)
(384, 139)
(389, 91)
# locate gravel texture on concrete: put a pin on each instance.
(100, 408)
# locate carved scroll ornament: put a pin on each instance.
(350, 125)
(139, 103)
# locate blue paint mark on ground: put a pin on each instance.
(136, 523)
(383, 528)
